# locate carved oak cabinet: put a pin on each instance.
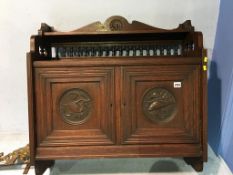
(117, 89)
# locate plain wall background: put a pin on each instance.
(221, 86)
(20, 19)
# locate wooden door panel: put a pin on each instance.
(155, 109)
(74, 106)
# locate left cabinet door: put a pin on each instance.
(74, 106)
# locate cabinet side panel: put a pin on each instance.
(204, 111)
(31, 109)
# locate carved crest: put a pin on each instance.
(119, 24)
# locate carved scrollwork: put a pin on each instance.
(159, 105)
(75, 106)
(118, 23)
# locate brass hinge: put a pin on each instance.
(205, 61)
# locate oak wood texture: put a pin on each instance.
(184, 126)
(155, 150)
(99, 129)
(116, 125)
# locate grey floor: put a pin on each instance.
(134, 166)
(123, 166)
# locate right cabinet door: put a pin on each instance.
(161, 104)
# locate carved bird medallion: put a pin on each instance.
(75, 106)
(159, 105)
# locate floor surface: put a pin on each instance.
(122, 166)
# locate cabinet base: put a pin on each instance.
(42, 165)
(195, 162)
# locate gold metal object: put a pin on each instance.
(101, 27)
(18, 156)
(204, 68)
(205, 59)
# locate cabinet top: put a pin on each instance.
(115, 25)
(116, 37)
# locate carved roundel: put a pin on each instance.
(75, 106)
(159, 105)
(116, 25)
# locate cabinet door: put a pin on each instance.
(161, 104)
(74, 106)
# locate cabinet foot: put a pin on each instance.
(42, 165)
(195, 162)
